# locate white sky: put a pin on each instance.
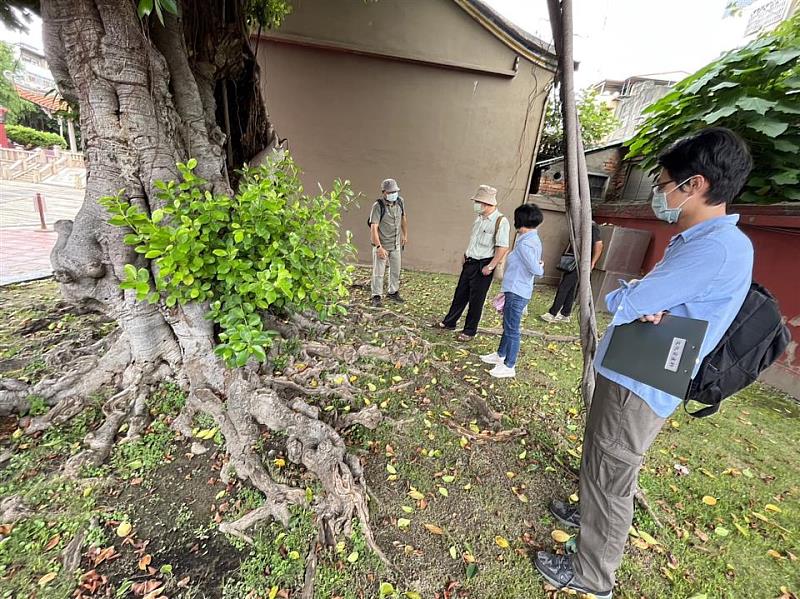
(614, 39)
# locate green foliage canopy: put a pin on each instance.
(267, 248)
(596, 118)
(754, 91)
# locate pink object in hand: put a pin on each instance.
(499, 302)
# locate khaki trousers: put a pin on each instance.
(379, 271)
(620, 429)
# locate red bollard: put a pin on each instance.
(39, 206)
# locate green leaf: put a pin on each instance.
(220, 252)
(788, 108)
(780, 57)
(157, 216)
(784, 145)
(170, 6)
(758, 105)
(723, 85)
(191, 164)
(788, 177)
(386, 589)
(145, 8)
(130, 271)
(472, 571)
(770, 128)
(718, 114)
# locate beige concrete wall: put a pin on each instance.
(440, 131)
(435, 30)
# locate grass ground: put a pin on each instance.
(458, 501)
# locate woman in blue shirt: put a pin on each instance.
(522, 265)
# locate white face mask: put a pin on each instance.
(392, 197)
(661, 208)
(477, 207)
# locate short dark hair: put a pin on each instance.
(528, 215)
(717, 153)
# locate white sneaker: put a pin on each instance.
(501, 371)
(492, 358)
(547, 317)
(560, 318)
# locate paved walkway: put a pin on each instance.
(24, 247)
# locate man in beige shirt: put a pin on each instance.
(488, 245)
(388, 232)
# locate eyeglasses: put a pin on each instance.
(659, 185)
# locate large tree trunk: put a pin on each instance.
(579, 207)
(148, 100)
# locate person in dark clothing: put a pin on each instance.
(487, 247)
(565, 295)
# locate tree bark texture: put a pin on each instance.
(579, 207)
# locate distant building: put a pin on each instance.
(760, 16)
(33, 74)
(629, 98)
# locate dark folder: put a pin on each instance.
(661, 355)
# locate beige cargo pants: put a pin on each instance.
(620, 429)
(379, 271)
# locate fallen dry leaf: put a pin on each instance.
(46, 578)
(52, 542)
(433, 529)
(709, 500)
(559, 536)
(144, 561)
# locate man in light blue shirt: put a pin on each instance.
(705, 274)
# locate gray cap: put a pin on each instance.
(389, 185)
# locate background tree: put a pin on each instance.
(755, 91)
(9, 98)
(596, 118)
(160, 83)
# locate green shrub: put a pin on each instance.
(267, 248)
(25, 136)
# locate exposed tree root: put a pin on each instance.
(311, 572)
(486, 436)
(12, 509)
(85, 376)
(369, 418)
(319, 448)
(71, 555)
(641, 500)
(250, 519)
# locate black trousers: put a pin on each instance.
(565, 295)
(471, 290)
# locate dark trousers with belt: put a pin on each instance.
(471, 290)
(565, 295)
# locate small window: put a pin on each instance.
(597, 187)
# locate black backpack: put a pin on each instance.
(382, 205)
(756, 338)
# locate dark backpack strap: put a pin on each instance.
(702, 412)
(497, 227)
(382, 208)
